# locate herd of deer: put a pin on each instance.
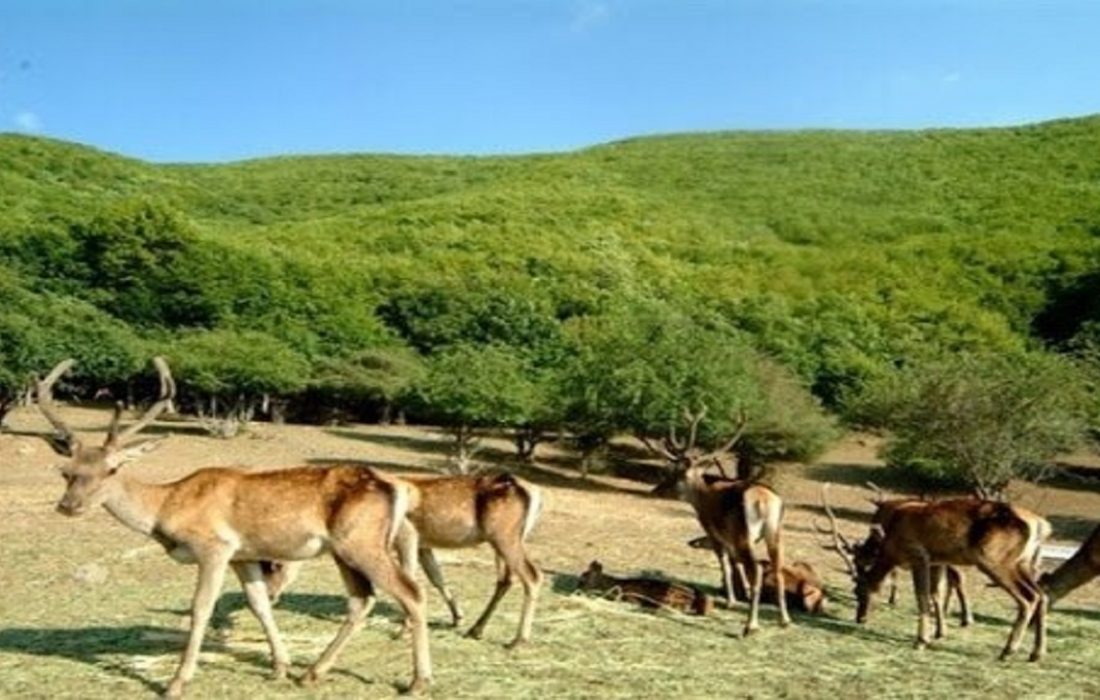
(377, 527)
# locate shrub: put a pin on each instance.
(978, 421)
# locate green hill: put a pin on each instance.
(836, 252)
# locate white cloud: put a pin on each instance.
(28, 121)
(952, 77)
(588, 15)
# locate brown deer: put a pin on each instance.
(223, 518)
(1000, 539)
(735, 515)
(1076, 571)
(647, 592)
(946, 581)
(803, 587)
(449, 512)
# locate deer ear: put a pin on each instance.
(119, 458)
(878, 532)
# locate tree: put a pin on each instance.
(380, 375)
(468, 388)
(226, 374)
(978, 421)
(662, 375)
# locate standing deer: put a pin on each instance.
(945, 580)
(735, 515)
(1078, 570)
(1000, 539)
(223, 518)
(450, 512)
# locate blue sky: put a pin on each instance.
(213, 80)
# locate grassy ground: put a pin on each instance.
(89, 609)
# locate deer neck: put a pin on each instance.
(135, 504)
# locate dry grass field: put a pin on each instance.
(89, 609)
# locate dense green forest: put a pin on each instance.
(624, 287)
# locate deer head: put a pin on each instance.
(682, 453)
(88, 474)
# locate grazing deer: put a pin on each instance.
(803, 587)
(945, 580)
(450, 512)
(1000, 539)
(1076, 571)
(223, 518)
(647, 592)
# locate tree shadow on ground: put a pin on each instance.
(330, 608)
(1071, 477)
(550, 471)
(96, 645)
(1072, 527)
(896, 482)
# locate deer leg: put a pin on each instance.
(252, 580)
(512, 551)
(774, 542)
(435, 576)
(1042, 604)
(727, 574)
(211, 577)
(892, 601)
(957, 582)
(937, 583)
(755, 574)
(1024, 605)
(384, 572)
(360, 603)
(504, 582)
(921, 587)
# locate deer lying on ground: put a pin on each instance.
(803, 587)
(1078, 570)
(945, 580)
(647, 592)
(452, 512)
(223, 518)
(1000, 539)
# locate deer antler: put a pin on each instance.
(842, 546)
(64, 435)
(167, 393)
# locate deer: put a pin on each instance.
(451, 512)
(219, 519)
(1000, 539)
(945, 580)
(803, 586)
(1076, 571)
(647, 592)
(734, 513)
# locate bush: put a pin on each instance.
(978, 421)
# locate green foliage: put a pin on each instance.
(232, 364)
(979, 420)
(840, 255)
(645, 366)
(477, 386)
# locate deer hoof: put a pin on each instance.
(750, 629)
(474, 633)
(1035, 656)
(309, 678)
(419, 686)
(174, 690)
(278, 671)
(515, 643)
